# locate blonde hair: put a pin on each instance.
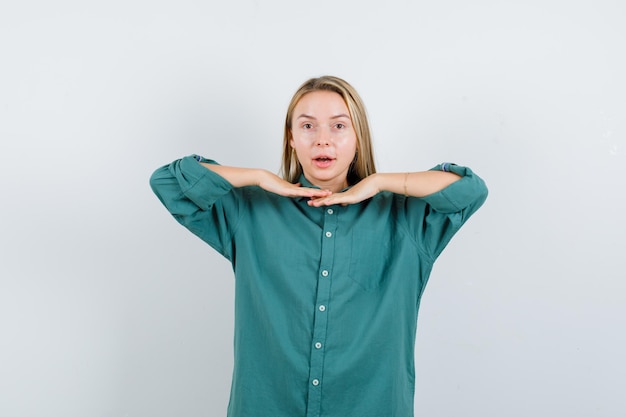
(363, 164)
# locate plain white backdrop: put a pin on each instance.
(109, 308)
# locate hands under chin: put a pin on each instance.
(363, 190)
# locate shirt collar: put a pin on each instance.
(306, 183)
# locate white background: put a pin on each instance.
(108, 308)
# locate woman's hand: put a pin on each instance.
(274, 184)
(364, 189)
(412, 184)
(242, 177)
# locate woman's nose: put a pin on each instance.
(323, 138)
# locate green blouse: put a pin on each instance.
(326, 298)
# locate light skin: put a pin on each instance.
(325, 143)
(324, 139)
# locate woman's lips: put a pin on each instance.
(323, 162)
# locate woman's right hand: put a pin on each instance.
(241, 177)
(274, 184)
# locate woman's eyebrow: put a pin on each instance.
(338, 116)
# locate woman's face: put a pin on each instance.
(324, 139)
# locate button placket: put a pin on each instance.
(322, 308)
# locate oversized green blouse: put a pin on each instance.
(326, 298)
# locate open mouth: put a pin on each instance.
(323, 161)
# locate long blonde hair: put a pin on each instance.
(363, 164)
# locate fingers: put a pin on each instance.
(352, 196)
(287, 189)
(330, 200)
(314, 193)
(318, 202)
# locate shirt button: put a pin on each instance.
(324, 273)
(329, 211)
(328, 234)
(315, 382)
(322, 308)
(318, 345)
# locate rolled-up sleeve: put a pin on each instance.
(437, 217)
(199, 199)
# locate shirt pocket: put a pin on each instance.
(369, 259)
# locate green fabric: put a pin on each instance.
(326, 299)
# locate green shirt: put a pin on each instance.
(326, 298)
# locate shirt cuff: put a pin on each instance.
(468, 190)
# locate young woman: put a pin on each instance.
(330, 261)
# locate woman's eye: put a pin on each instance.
(307, 126)
(340, 126)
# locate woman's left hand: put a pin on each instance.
(363, 190)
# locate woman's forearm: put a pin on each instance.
(415, 184)
(237, 177)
